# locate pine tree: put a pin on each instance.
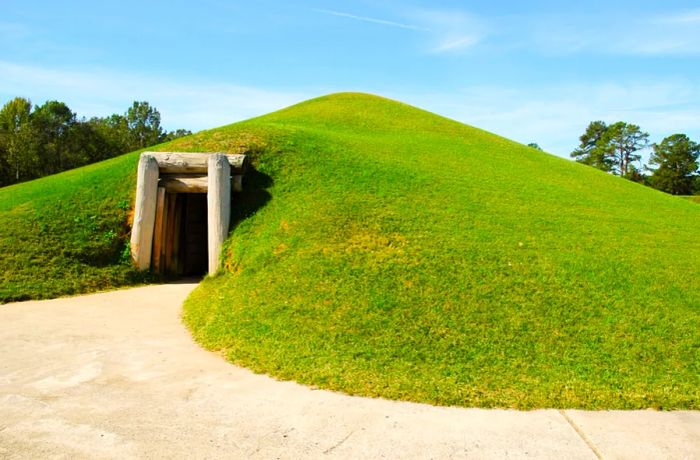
(677, 160)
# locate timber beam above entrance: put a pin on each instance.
(193, 163)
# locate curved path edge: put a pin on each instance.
(116, 375)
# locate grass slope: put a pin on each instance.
(65, 234)
(409, 256)
(382, 250)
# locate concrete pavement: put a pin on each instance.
(116, 375)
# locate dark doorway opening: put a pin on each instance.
(193, 234)
(180, 246)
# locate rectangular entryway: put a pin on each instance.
(182, 211)
(180, 240)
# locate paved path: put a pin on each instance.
(116, 375)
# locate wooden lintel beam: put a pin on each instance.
(188, 162)
(184, 184)
(179, 183)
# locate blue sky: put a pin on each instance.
(535, 71)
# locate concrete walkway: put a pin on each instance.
(116, 375)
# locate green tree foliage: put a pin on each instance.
(14, 118)
(50, 138)
(143, 122)
(621, 142)
(534, 145)
(52, 125)
(114, 131)
(591, 150)
(612, 148)
(677, 159)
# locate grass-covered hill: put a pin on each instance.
(65, 234)
(382, 250)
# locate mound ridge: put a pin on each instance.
(386, 251)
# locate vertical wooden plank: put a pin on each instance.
(177, 223)
(218, 207)
(166, 201)
(183, 232)
(164, 240)
(158, 229)
(170, 232)
(144, 212)
(237, 183)
(183, 229)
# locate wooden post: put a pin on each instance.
(145, 211)
(158, 229)
(218, 206)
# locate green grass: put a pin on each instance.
(693, 198)
(65, 234)
(382, 250)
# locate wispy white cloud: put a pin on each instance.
(445, 31)
(383, 22)
(454, 31)
(674, 33)
(454, 44)
(186, 104)
(683, 17)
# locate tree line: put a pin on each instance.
(673, 165)
(37, 141)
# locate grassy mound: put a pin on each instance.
(409, 256)
(382, 250)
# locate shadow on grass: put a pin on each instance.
(253, 197)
